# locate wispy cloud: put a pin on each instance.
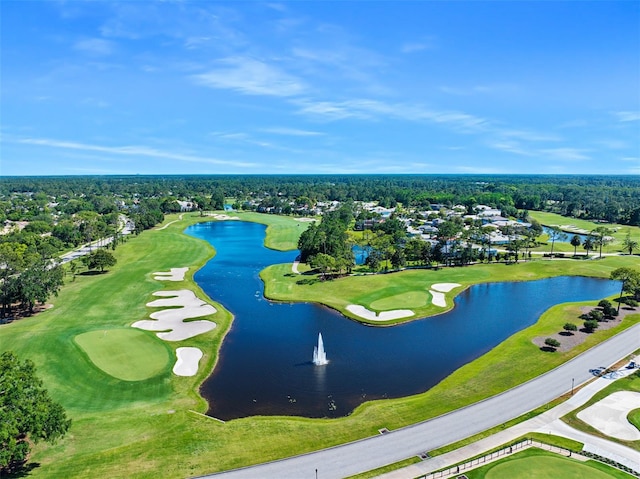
(291, 131)
(251, 77)
(132, 151)
(627, 115)
(566, 154)
(95, 46)
(376, 110)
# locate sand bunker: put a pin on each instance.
(438, 299)
(219, 216)
(363, 312)
(184, 305)
(305, 219)
(444, 287)
(187, 363)
(609, 415)
(176, 274)
(437, 292)
(294, 267)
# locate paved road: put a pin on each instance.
(370, 453)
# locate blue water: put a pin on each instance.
(567, 238)
(265, 360)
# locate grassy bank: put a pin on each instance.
(390, 291)
(139, 428)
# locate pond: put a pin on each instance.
(567, 236)
(265, 365)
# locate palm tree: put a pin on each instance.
(575, 242)
(629, 244)
(588, 244)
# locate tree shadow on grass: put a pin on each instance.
(547, 349)
(91, 273)
(23, 470)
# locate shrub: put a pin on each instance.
(590, 325)
(596, 315)
(551, 342)
(570, 327)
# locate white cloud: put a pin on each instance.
(291, 131)
(251, 77)
(566, 154)
(627, 115)
(133, 151)
(95, 46)
(375, 110)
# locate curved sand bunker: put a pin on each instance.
(609, 415)
(219, 216)
(187, 363)
(437, 292)
(185, 305)
(176, 274)
(365, 313)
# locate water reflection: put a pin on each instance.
(265, 360)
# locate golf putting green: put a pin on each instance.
(127, 354)
(543, 467)
(410, 299)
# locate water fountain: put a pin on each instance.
(319, 355)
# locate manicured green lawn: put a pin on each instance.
(537, 464)
(619, 232)
(128, 354)
(389, 291)
(151, 426)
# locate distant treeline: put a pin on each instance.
(614, 199)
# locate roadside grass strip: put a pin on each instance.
(184, 305)
(127, 354)
(609, 415)
(187, 363)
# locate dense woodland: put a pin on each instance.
(614, 199)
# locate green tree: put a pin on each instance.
(324, 263)
(38, 282)
(588, 244)
(570, 327)
(601, 237)
(629, 244)
(555, 233)
(630, 282)
(99, 259)
(27, 412)
(575, 242)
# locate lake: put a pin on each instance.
(265, 365)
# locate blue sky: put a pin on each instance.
(179, 87)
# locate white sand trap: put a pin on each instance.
(305, 220)
(363, 312)
(171, 321)
(438, 299)
(444, 287)
(219, 216)
(437, 292)
(176, 274)
(187, 363)
(294, 267)
(609, 415)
